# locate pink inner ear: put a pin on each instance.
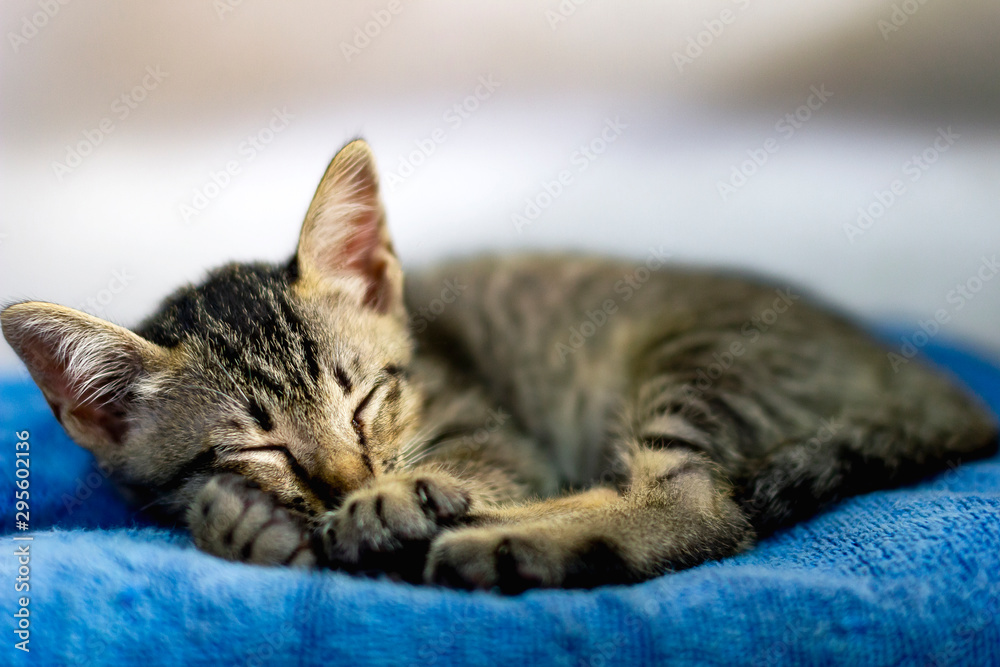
(91, 409)
(361, 256)
(108, 419)
(344, 235)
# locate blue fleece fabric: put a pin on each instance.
(909, 576)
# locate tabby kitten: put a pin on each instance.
(506, 422)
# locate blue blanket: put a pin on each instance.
(910, 576)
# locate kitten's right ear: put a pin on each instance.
(344, 239)
(86, 368)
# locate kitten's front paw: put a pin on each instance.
(397, 513)
(232, 518)
(517, 557)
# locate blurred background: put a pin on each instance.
(852, 147)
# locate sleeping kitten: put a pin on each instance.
(504, 422)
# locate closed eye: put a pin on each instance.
(390, 375)
(356, 421)
(293, 463)
(364, 402)
(329, 496)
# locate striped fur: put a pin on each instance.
(503, 422)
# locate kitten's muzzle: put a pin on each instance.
(343, 474)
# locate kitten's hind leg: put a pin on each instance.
(859, 455)
(674, 512)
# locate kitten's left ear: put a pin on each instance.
(87, 368)
(344, 239)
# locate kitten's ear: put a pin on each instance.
(86, 368)
(344, 238)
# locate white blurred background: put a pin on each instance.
(120, 119)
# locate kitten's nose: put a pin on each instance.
(347, 471)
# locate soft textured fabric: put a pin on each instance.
(909, 576)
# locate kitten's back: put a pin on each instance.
(562, 341)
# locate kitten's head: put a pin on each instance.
(293, 375)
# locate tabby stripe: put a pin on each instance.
(262, 377)
(368, 461)
(745, 432)
(391, 396)
(310, 350)
(359, 426)
(235, 360)
(309, 353)
(342, 379)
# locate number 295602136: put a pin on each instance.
(22, 466)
